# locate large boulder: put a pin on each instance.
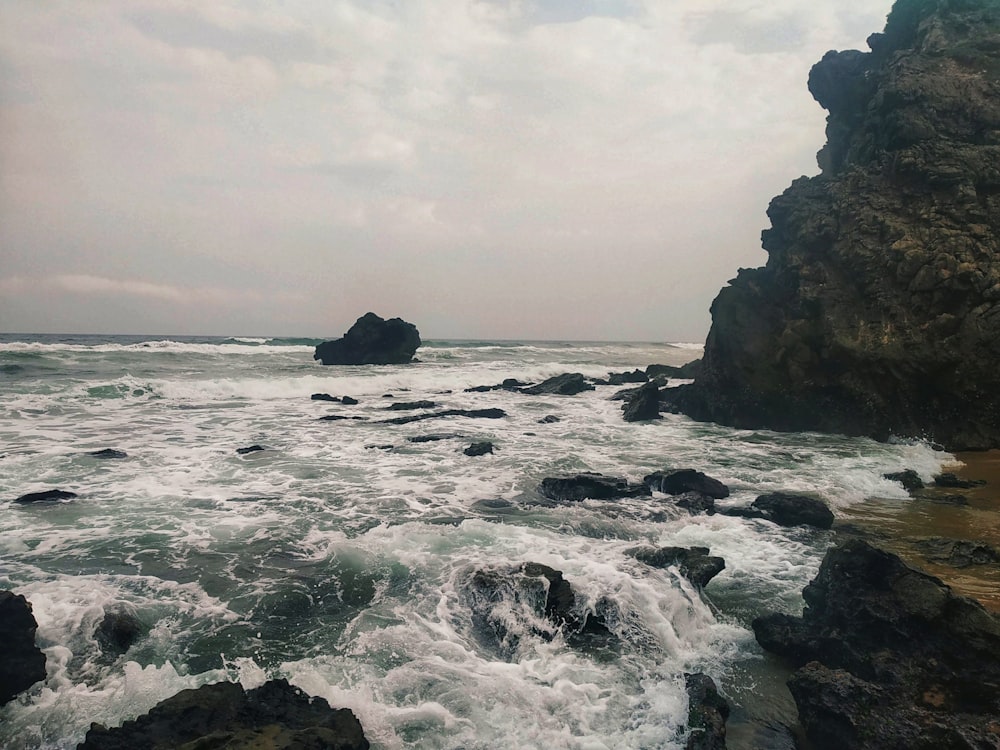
(372, 341)
(680, 481)
(224, 715)
(707, 714)
(878, 311)
(567, 384)
(890, 658)
(22, 663)
(643, 405)
(788, 509)
(694, 563)
(590, 486)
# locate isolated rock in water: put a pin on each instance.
(323, 397)
(224, 715)
(22, 663)
(45, 496)
(891, 657)
(908, 478)
(955, 482)
(549, 419)
(410, 405)
(620, 378)
(433, 438)
(643, 405)
(958, 553)
(372, 341)
(878, 312)
(685, 480)
(471, 413)
(707, 714)
(590, 486)
(117, 631)
(348, 401)
(252, 449)
(786, 509)
(694, 563)
(567, 384)
(108, 453)
(479, 449)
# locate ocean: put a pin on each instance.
(340, 556)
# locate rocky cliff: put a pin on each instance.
(878, 311)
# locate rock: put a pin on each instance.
(620, 378)
(107, 453)
(340, 418)
(410, 405)
(695, 502)
(694, 563)
(372, 341)
(945, 499)
(643, 405)
(472, 413)
(252, 448)
(877, 311)
(685, 480)
(479, 449)
(958, 553)
(22, 663)
(549, 419)
(384, 447)
(224, 715)
(908, 478)
(954, 482)
(323, 397)
(707, 714)
(117, 631)
(46, 496)
(786, 509)
(684, 372)
(589, 486)
(433, 438)
(567, 384)
(348, 401)
(890, 657)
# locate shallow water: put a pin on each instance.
(345, 567)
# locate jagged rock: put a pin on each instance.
(433, 438)
(117, 631)
(878, 311)
(685, 480)
(707, 714)
(567, 384)
(410, 405)
(372, 341)
(22, 663)
(252, 449)
(694, 563)
(952, 481)
(479, 449)
(348, 401)
(323, 397)
(340, 418)
(472, 413)
(643, 405)
(224, 715)
(958, 553)
(620, 378)
(107, 453)
(589, 486)
(908, 478)
(684, 372)
(695, 502)
(786, 509)
(549, 419)
(45, 496)
(891, 657)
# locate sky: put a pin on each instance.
(493, 169)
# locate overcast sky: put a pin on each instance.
(546, 169)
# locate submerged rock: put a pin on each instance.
(694, 563)
(567, 384)
(953, 481)
(958, 553)
(908, 478)
(45, 496)
(589, 486)
(479, 449)
(889, 657)
(707, 714)
(251, 449)
(878, 312)
(107, 453)
(22, 663)
(224, 715)
(679, 481)
(472, 413)
(372, 341)
(117, 631)
(410, 405)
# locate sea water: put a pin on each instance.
(339, 557)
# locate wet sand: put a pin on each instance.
(898, 525)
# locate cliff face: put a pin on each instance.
(878, 311)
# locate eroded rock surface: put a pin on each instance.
(22, 663)
(372, 341)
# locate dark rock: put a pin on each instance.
(958, 553)
(786, 509)
(589, 486)
(479, 449)
(945, 499)
(472, 413)
(877, 312)
(348, 401)
(252, 449)
(695, 502)
(372, 341)
(892, 658)
(685, 480)
(410, 405)
(567, 384)
(45, 496)
(954, 482)
(340, 418)
(549, 419)
(620, 378)
(108, 453)
(694, 563)
(224, 715)
(643, 405)
(707, 714)
(626, 394)
(323, 397)
(512, 384)
(909, 479)
(22, 663)
(386, 447)
(433, 438)
(117, 631)
(684, 372)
